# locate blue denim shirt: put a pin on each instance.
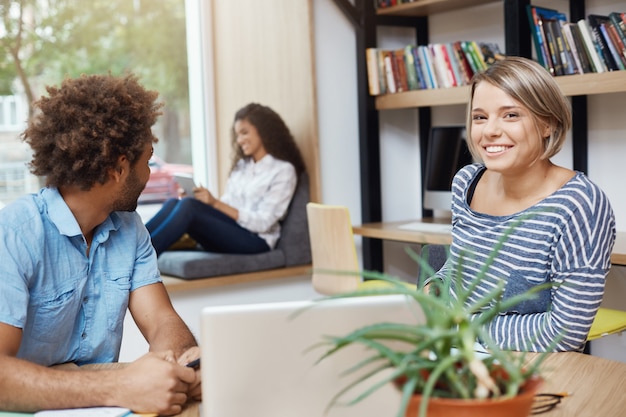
(70, 306)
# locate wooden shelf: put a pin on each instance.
(594, 83)
(428, 7)
(571, 85)
(423, 98)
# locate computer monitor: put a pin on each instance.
(447, 153)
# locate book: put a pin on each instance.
(454, 64)
(590, 46)
(555, 56)
(614, 34)
(538, 38)
(595, 22)
(572, 32)
(464, 66)
(382, 76)
(480, 59)
(371, 59)
(440, 66)
(552, 45)
(399, 68)
(610, 43)
(565, 52)
(448, 65)
(620, 25)
(427, 66)
(389, 77)
(467, 68)
(491, 52)
(419, 68)
(411, 70)
(471, 58)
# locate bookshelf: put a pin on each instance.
(571, 85)
(366, 18)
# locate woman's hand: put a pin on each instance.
(204, 195)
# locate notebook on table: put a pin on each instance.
(257, 361)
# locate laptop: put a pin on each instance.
(258, 360)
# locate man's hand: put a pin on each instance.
(195, 388)
(155, 383)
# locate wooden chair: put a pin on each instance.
(335, 264)
(332, 249)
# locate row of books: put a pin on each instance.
(595, 44)
(438, 65)
(379, 4)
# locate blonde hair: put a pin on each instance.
(531, 85)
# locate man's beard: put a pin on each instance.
(127, 200)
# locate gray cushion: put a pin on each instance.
(293, 248)
(190, 264)
(294, 237)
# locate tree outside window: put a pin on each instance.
(45, 41)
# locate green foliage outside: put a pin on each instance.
(45, 41)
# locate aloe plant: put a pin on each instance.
(438, 357)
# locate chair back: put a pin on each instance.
(332, 249)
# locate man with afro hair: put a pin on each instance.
(76, 256)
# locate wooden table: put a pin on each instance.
(596, 385)
(392, 231)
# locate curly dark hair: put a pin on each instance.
(275, 135)
(82, 128)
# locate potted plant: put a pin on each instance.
(435, 363)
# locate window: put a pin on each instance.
(60, 38)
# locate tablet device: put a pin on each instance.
(185, 182)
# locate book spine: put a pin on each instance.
(617, 41)
(479, 55)
(533, 20)
(585, 59)
(382, 76)
(421, 77)
(391, 82)
(467, 50)
(611, 47)
(590, 46)
(564, 51)
(427, 66)
(620, 26)
(371, 58)
(462, 65)
(452, 79)
(546, 46)
(554, 51)
(594, 23)
(402, 83)
(566, 30)
(439, 64)
(411, 72)
(454, 62)
(463, 59)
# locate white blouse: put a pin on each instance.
(261, 191)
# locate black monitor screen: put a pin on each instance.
(447, 153)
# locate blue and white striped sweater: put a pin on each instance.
(566, 238)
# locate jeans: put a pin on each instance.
(212, 229)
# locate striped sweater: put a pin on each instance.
(566, 239)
